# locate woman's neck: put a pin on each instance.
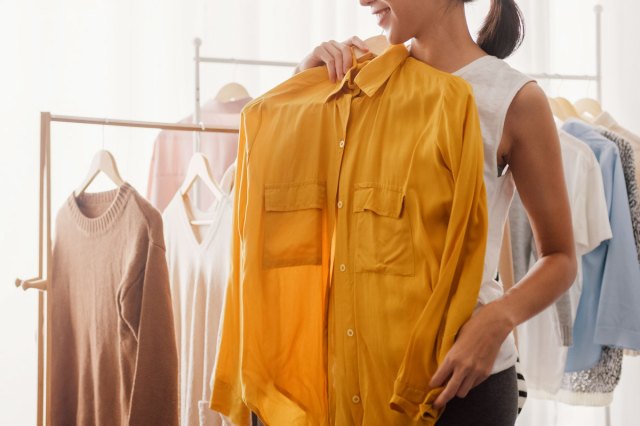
(446, 44)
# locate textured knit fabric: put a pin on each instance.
(594, 386)
(494, 402)
(631, 169)
(543, 339)
(494, 84)
(172, 151)
(627, 158)
(113, 350)
(405, 269)
(198, 258)
(608, 307)
(606, 120)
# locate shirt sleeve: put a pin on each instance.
(455, 291)
(595, 214)
(226, 397)
(146, 308)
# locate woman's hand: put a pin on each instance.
(336, 56)
(470, 359)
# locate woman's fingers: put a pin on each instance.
(467, 385)
(442, 374)
(357, 42)
(327, 58)
(453, 385)
(336, 57)
(345, 51)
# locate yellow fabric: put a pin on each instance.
(361, 228)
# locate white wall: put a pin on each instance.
(119, 58)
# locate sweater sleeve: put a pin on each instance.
(455, 291)
(146, 307)
(226, 396)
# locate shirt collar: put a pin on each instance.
(373, 72)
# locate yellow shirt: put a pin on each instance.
(361, 228)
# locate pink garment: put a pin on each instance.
(173, 150)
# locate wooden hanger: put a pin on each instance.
(232, 92)
(568, 109)
(377, 45)
(588, 107)
(557, 110)
(199, 168)
(103, 162)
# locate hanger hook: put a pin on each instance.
(103, 126)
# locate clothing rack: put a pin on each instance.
(41, 282)
(597, 78)
(198, 59)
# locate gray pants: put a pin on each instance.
(493, 402)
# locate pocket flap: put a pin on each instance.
(296, 196)
(382, 201)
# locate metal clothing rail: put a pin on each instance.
(198, 59)
(597, 78)
(41, 282)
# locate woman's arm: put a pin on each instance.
(531, 147)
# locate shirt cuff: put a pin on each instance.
(415, 403)
(228, 403)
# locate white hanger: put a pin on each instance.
(232, 92)
(588, 107)
(199, 168)
(103, 162)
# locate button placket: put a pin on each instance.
(343, 279)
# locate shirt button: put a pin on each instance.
(343, 267)
(341, 144)
(355, 399)
(340, 204)
(350, 332)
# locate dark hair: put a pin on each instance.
(503, 29)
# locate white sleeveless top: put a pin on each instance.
(494, 84)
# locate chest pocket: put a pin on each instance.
(383, 232)
(293, 224)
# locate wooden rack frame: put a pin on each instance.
(41, 282)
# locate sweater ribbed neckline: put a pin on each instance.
(95, 225)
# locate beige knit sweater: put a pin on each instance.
(114, 358)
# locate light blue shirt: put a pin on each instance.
(609, 307)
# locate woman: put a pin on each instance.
(519, 136)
